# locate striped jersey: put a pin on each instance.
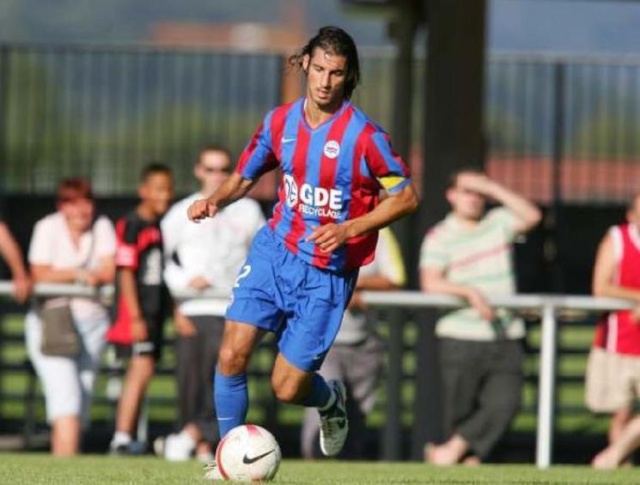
(618, 332)
(331, 173)
(480, 257)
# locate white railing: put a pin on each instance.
(547, 305)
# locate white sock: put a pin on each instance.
(121, 438)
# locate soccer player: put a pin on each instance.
(302, 267)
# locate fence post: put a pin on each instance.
(556, 223)
(546, 385)
(392, 432)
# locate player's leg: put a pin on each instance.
(332, 369)
(230, 382)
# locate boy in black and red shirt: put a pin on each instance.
(141, 299)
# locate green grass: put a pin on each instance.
(41, 469)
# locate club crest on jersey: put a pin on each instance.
(331, 149)
(315, 201)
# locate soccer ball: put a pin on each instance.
(248, 453)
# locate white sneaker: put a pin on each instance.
(179, 447)
(211, 471)
(334, 425)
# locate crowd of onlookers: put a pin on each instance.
(159, 261)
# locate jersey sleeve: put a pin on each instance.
(385, 164)
(259, 156)
(127, 253)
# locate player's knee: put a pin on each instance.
(231, 362)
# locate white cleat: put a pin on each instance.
(334, 425)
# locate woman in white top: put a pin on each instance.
(71, 246)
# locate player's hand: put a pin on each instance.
(479, 302)
(201, 209)
(199, 283)
(329, 237)
(139, 330)
(21, 288)
(184, 326)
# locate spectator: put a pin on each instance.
(141, 299)
(12, 254)
(70, 246)
(198, 257)
(356, 356)
(613, 369)
(468, 255)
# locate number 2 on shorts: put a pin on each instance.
(244, 272)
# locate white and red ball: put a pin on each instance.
(248, 453)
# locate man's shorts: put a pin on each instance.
(152, 345)
(303, 305)
(613, 380)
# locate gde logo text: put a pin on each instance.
(316, 201)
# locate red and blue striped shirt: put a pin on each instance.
(331, 173)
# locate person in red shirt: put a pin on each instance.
(613, 370)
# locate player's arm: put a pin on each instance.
(232, 189)
(256, 159)
(331, 236)
(604, 271)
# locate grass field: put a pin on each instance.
(35, 469)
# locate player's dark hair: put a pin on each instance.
(336, 41)
(154, 168)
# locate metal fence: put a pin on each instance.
(557, 127)
(547, 307)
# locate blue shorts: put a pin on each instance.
(303, 305)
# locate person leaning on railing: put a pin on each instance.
(468, 255)
(70, 245)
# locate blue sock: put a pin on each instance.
(231, 396)
(320, 394)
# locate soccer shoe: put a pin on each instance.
(334, 425)
(211, 471)
(132, 448)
